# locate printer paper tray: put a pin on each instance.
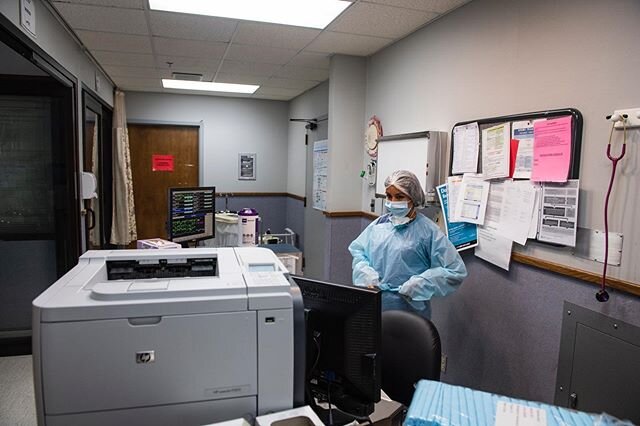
(113, 364)
(197, 413)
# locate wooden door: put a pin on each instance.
(162, 157)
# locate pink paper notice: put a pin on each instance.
(551, 150)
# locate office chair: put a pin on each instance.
(410, 352)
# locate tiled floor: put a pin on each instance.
(17, 406)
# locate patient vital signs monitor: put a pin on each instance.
(191, 213)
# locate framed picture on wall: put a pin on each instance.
(247, 166)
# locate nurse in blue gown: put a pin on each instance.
(404, 253)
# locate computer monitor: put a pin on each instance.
(343, 339)
(191, 214)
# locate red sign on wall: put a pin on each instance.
(162, 163)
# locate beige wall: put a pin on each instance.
(493, 57)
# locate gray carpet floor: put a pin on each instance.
(17, 406)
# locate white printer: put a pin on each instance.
(167, 337)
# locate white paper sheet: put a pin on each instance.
(512, 414)
(517, 209)
(453, 188)
(320, 173)
(523, 132)
(496, 144)
(559, 216)
(472, 199)
(493, 247)
(465, 148)
(535, 217)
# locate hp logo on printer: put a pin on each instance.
(145, 357)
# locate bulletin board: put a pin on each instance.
(576, 132)
(559, 259)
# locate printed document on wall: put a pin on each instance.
(461, 234)
(472, 199)
(535, 217)
(493, 247)
(523, 132)
(496, 143)
(517, 209)
(551, 150)
(320, 172)
(454, 183)
(559, 215)
(466, 142)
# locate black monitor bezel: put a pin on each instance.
(169, 206)
(377, 296)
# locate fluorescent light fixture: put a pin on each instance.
(301, 13)
(168, 83)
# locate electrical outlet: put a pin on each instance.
(443, 363)
(633, 117)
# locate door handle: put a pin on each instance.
(92, 220)
(573, 400)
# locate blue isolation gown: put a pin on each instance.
(414, 262)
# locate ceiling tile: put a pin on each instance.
(125, 59)
(129, 4)
(115, 42)
(142, 72)
(250, 68)
(193, 27)
(273, 97)
(132, 83)
(303, 73)
(240, 79)
(348, 44)
(272, 35)
(290, 83)
(269, 55)
(189, 48)
(380, 20)
(96, 18)
(438, 6)
(311, 60)
(186, 64)
(277, 91)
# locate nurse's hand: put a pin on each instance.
(415, 304)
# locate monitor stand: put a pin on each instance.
(338, 417)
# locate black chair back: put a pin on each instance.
(411, 351)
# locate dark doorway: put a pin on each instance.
(39, 211)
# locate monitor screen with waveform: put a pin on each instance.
(191, 213)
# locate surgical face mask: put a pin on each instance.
(398, 208)
(398, 221)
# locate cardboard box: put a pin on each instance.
(157, 243)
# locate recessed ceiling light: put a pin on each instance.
(301, 13)
(168, 83)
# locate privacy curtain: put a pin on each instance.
(94, 233)
(123, 228)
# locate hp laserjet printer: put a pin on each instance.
(167, 337)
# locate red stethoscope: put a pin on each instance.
(602, 295)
